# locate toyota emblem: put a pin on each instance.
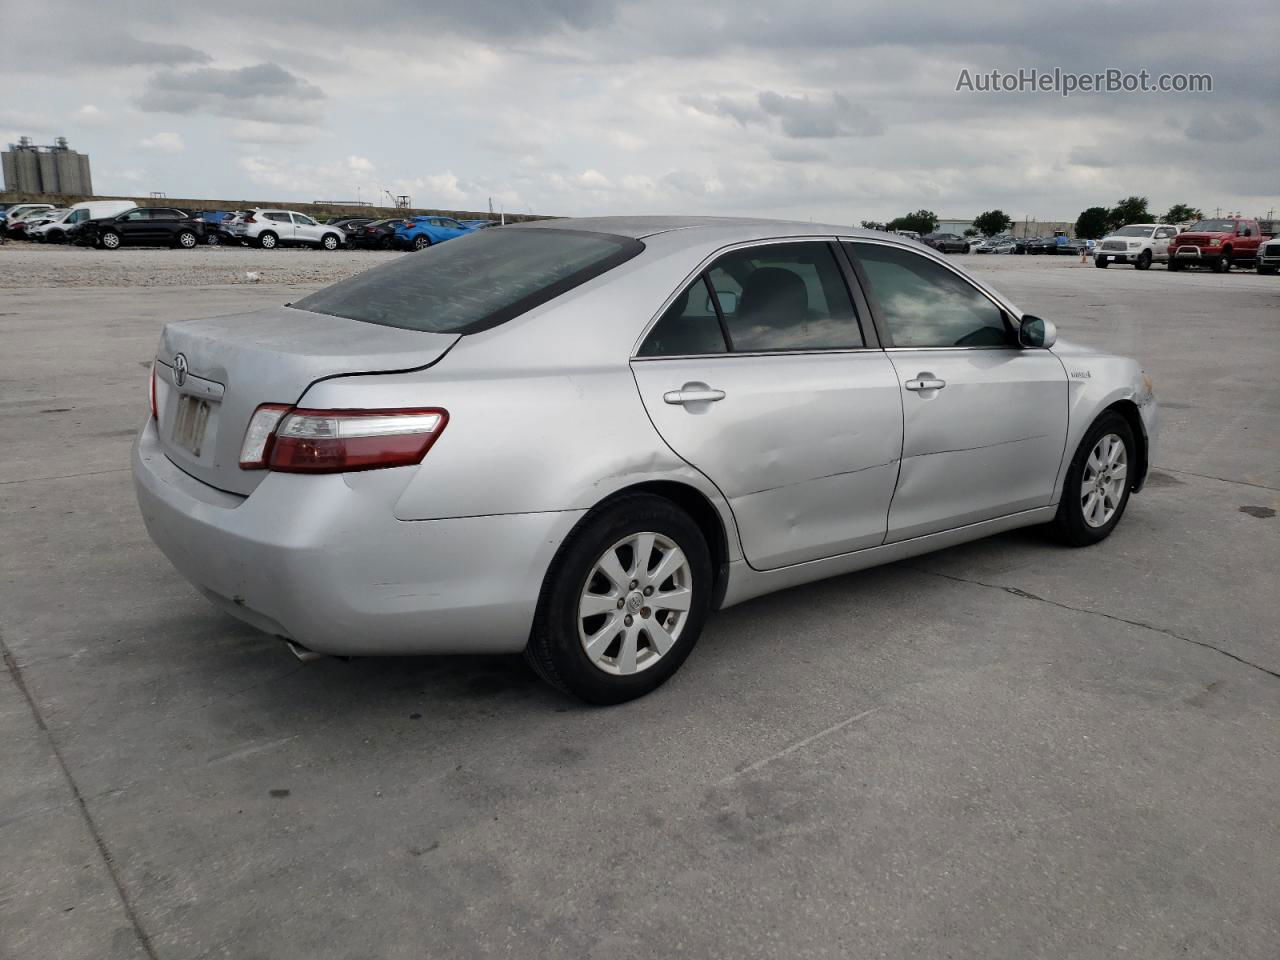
(179, 370)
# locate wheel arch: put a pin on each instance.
(1132, 416)
(703, 513)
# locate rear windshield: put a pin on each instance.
(474, 282)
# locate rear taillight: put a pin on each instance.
(338, 441)
(155, 415)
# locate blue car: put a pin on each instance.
(418, 233)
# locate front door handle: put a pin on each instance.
(926, 381)
(688, 395)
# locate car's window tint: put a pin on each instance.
(786, 296)
(476, 281)
(279, 217)
(166, 215)
(135, 215)
(925, 304)
(688, 327)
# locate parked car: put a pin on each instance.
(974, 243)
(908, 234)
(15, 214)
(375, 235)
(33, 222)
(419, 233)
(347, 224)
(143, 227)
(1039, 245)
(1269, 256)
(946, 242)
(1140, 244)
(1220, 243)
(281, 228)
(723, 437)
(84, 211)
(41, 225)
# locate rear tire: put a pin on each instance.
(622, 650)
(268, 240)
(421, 242)
(1096, 491)
(186, 240)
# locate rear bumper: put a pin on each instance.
(322, 560)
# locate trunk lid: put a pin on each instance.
(232, 364)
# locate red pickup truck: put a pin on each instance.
(1218, 243)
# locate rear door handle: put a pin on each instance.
(925, 382)
(703, 395)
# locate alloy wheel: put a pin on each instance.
(635, 603)
(1103, 482)
(110, 241)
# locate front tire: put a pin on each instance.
(1266, 271)
(624, 601)
(1222, 262)
(1144, 260)
(1098, 483)
(330, 241)
(1174, 264)
(109, 240)
(1100, 263)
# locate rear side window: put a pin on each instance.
(926, 305)
(474, 282)
(689, 327)
(787, 296)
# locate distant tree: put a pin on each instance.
(1092, 224)
(872, 225)
(992, 222)
(1182, 213)
(1129, 210)
(970, 232)
(922, 222)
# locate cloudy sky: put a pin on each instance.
(836, 111)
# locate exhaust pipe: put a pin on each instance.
(302, 653)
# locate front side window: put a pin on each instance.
(474, 282)
(786, 296)
(135, 215)
(926, 305)
(304, 220)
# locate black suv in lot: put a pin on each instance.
(143, 227)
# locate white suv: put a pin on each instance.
(1138, 243)
(273, 228)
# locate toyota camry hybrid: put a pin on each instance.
(577, 438)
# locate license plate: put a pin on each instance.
(1110, 258)
(190, 422)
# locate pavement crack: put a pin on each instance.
(1205, 476)
(1110, 616)
(117, 880)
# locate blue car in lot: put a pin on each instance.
(418, 233)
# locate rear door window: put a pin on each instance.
(474, 282)
(786, 296)
(689, 327)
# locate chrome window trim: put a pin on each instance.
(705, 263)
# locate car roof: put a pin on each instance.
(744, 228)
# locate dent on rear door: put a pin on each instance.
(804, 447)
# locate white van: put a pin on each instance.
(90, 210)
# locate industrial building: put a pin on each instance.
(29, 168)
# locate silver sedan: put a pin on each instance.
(577, 438)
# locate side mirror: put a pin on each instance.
(1035, 332)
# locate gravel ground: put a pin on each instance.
(41, 265)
